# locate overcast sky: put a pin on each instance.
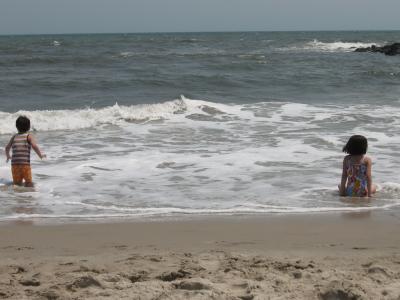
(104, 16)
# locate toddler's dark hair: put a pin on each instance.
(23, 124)
(357, 145)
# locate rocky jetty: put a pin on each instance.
(392, 49)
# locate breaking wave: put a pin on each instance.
(338, 46)
(50, 120)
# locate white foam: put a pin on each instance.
(51, 120)
(127, 54)
(390, 187)
(167, 211)
(337, 46)
(203, 158)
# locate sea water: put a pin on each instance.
(180, 124)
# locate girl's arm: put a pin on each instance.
(369, 176)
(8, 148)
(35, 147)
(344, 178)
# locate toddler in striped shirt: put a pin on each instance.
(21, 144)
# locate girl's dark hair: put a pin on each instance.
(23, 124)
(357, 145)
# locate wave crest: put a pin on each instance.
(48, 120)
(335, 46)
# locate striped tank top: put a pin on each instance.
(21, 150)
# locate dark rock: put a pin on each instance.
(391, 49)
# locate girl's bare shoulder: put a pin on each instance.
(367, 158)
(347, 157)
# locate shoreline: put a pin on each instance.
(296, 256)
(184, 217)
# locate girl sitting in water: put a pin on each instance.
(356, 174)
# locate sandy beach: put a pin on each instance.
(317, 256)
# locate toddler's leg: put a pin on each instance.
(17, 175)
(27, 174)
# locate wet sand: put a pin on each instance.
(317, 256)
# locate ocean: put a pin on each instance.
(181, 124)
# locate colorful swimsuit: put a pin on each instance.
(357, 179)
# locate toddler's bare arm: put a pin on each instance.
(35, 147)
(8, 148)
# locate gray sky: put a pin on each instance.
(103, 16)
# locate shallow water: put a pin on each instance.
(267, 136)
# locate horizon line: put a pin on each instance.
(196, 32)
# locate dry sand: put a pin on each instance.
(325, 256)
